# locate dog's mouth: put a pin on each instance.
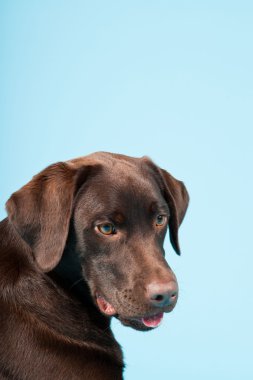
(143, 323)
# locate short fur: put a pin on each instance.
(53, 263)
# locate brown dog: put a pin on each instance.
(83, 241)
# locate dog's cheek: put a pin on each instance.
(109, 277)
(106, 279)
(92, 275)
(87, 274)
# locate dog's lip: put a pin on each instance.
(149, 320)
(105, 306)
(153, 321)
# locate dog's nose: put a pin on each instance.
(162, 294)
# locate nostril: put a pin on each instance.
(158, 297)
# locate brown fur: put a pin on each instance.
(52, 264)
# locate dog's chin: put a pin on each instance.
(142, 324)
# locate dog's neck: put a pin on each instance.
(68, 273)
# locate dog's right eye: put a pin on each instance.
(160, 220)
(107, 229)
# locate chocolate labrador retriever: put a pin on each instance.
(83, 241)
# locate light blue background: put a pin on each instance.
(168, 79)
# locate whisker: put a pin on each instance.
(76, 282)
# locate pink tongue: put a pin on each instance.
(153, 321)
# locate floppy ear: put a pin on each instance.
(41, 210)
(177, 198)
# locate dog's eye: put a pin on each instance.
(106, 228)
(161, 220)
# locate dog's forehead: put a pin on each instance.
(118, 169)
(127, 177)
(121, 186)
(109, 160)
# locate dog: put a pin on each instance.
(82, 243)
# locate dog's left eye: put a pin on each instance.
(107, 228)
(160, 220)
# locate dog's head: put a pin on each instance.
(120, 208)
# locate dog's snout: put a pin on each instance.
(162, 294)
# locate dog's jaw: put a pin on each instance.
(143, 323)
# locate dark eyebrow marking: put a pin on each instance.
(118, 217)
(114, 216)
(159, 207)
